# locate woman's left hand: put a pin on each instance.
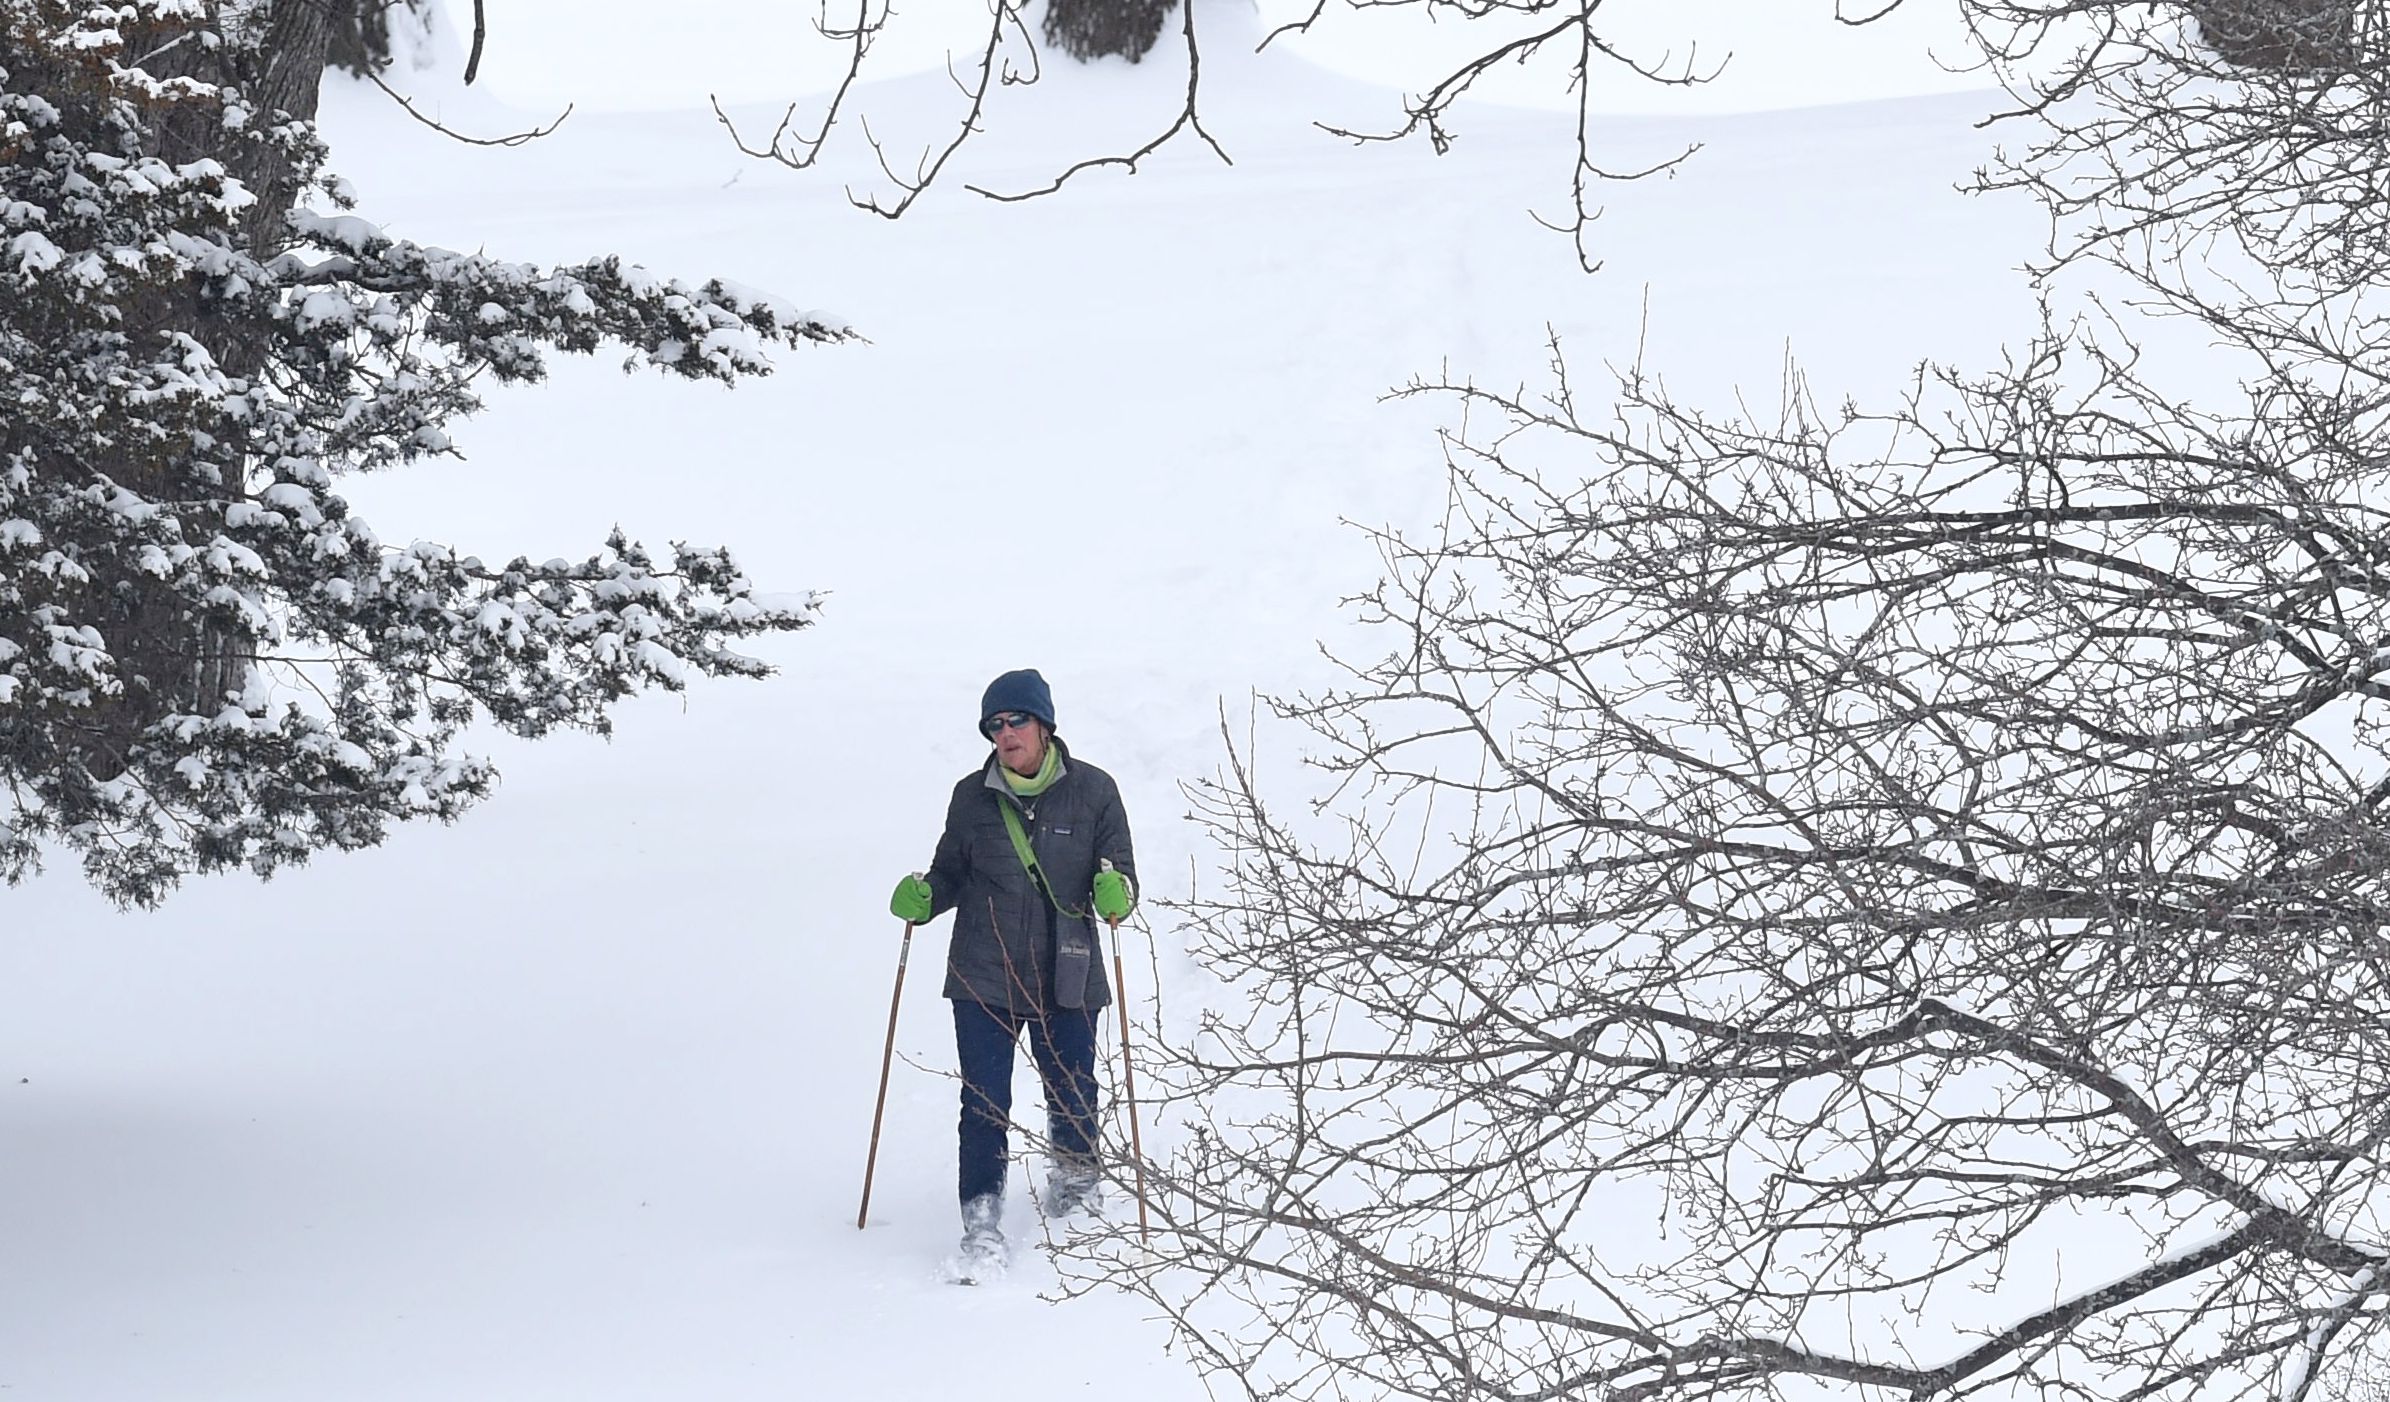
(1114, 896)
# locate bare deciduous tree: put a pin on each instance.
(2171, 51)
(1795, 896)
(1010, 54)
(2158, 154)
(1881, 905)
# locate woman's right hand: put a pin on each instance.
(911, 900)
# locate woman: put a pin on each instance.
(1035, 854)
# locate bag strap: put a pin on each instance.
(1020, 847)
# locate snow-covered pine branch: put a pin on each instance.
(206, 660)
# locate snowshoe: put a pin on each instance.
(1073, 1189)
(982, 1259)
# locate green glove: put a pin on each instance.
(911, 901)
(1113, 895)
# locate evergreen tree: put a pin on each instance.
(1093, 29)
(206, 659)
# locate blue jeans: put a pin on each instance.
(1062, 1042)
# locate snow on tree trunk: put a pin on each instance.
(1093, 29)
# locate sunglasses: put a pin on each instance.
(1004, 720)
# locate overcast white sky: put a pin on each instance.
(619, 53)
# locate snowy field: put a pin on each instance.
(570, 1100)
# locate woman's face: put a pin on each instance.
(1022, 747)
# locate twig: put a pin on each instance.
(480, 32)
(1187, 118)
(453, 134)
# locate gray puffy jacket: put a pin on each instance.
(1010, 948)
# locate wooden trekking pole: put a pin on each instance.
(1128, 1080)
(887, 1057)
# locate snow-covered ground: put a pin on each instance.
(570, 1100)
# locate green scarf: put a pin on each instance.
(1039, 782)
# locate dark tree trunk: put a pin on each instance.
(360, 35)
(2279, 35)
(1092, 29)
(291, 63)
(169, 658)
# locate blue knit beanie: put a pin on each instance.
(1023, 690)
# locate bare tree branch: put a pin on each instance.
(480, 34)
(516, 139)
(1187, 120)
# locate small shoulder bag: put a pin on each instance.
(1074, 950)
